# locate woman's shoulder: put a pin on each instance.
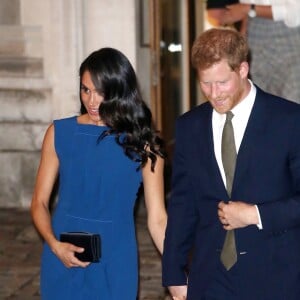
(68, 120)
(64, 125)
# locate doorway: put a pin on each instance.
(173, 27)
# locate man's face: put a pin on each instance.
(223, 87)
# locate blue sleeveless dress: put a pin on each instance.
(98, 186)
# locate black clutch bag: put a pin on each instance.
(91, 243)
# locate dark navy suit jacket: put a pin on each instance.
(267, 174)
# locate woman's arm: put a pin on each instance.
(221, 17)
(155, 203)
(46, 177)
(287, 11)
(215, 16)
(238, 12)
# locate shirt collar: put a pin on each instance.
(245, 106)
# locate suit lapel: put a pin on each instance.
(254, 132)
(205, 146)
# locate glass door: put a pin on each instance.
(171, 23)
(173, 27)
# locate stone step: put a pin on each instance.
(17, 40)
(18, 179)
(25, 106)
(17, 66)
(21, 51)
(26, 84)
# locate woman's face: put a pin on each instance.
(91, 98)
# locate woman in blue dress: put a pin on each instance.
(101, 157)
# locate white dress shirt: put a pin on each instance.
(287, 11)
(241, 114)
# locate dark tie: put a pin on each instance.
(228, 253)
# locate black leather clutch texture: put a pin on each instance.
(91, 242)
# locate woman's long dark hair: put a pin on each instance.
(123, 109)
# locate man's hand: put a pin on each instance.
(178, 292)
(237, 214)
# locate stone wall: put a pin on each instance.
(25, 101)
(41, 46)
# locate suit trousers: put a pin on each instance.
(223, 285)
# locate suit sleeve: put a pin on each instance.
(284, 214)
(181, 214)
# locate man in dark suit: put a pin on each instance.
(234, 235)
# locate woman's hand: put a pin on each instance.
(178, 292)
(66, 253)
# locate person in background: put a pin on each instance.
(273, 32)
(234, 213)
(101, 157)
(215, 10)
